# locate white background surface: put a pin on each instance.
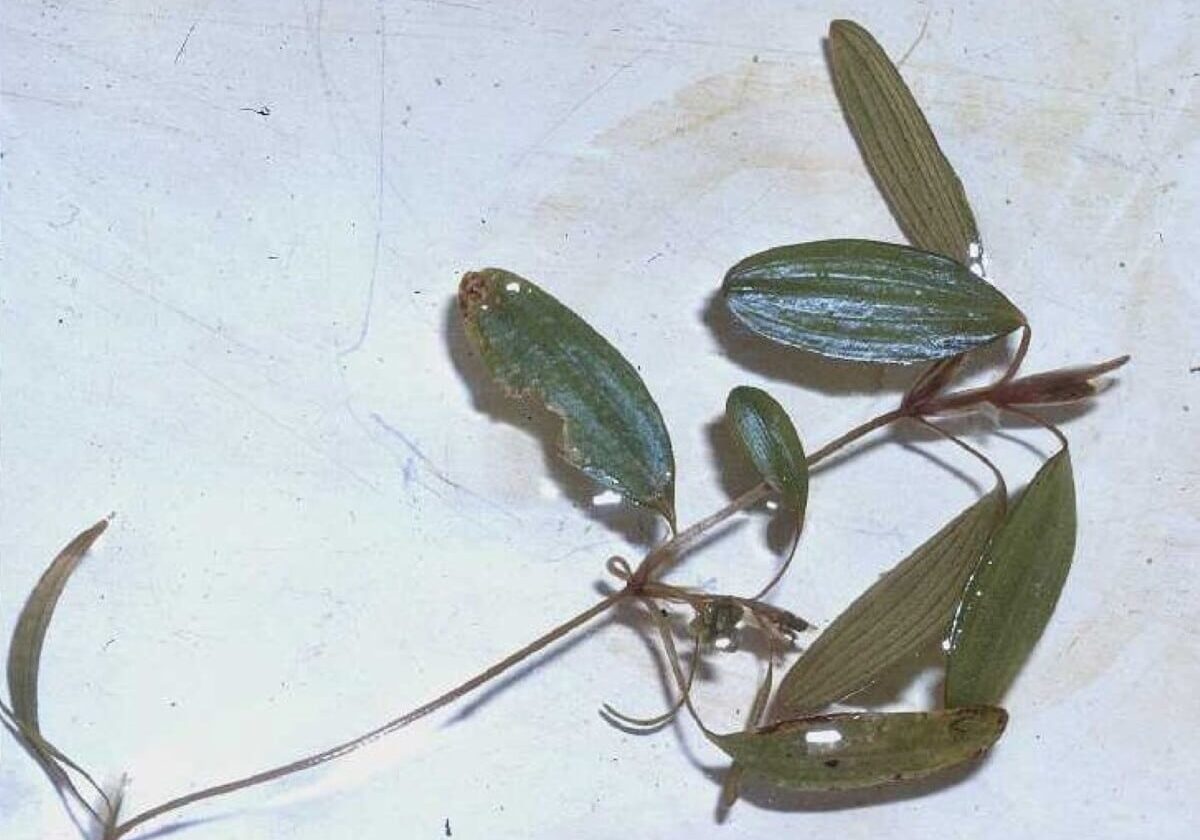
(236, 330)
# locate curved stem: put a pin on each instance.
(391, 726)
(1017, 359)
(783, 567)
(637, 584)
(674, 547)
(1033, 418)
(854, 434)
(664, 632)
(962, 444)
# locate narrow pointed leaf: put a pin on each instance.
(768, 437)
(1056, 387)
(858, 750)
(899, 148)
(29, 635)
(867, 301)
(534, 346)
(905, 610)
(1009, 598)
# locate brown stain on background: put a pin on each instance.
(750, 118)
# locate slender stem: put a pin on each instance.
(637, 583)
(391, 726)
(782, 570)
(854, 434)
(664, 632)
(1033, 418)
(962, 444)
(674, 547)
(1018, 357)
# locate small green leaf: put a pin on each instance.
(858, 750)
(1009, 599)
(908, 608)
(535, 346)
(867, 301)
(770, 440)
(29, 635)
(899, 148)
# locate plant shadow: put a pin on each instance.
(638, 526)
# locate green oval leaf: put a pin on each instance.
(29, 635)
(867, 301)
(535, 346)
(1009, 599)
(857, 750)
(905, 610)
(899, 148)
(770, 440)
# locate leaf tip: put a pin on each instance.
(473, 291)
(841, 27)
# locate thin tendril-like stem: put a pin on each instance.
(664, 632)
(962, 444)
(1033, 418)
(391, 726)
(637, 583)
(665, 717)
(673, 548)
(854, 434)
(778, 576)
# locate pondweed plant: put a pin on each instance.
(985, 585)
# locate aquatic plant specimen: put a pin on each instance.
(985, 584)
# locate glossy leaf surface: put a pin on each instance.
(906, 609)
(857, 750)
(867, 301)
(29, 635)
(770, 440)
(1010, 597)
(899, 148)
(534, 346)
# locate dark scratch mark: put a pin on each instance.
(58, 103)
(262, 110)
(186, 38)
(380, 178)
(920, 37)
(271, 418)
(579, 549)
(72, 215)
(108, 274)
(433, 468)
(575, 108)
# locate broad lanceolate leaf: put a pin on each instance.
(867, 301)
(1010, 597)
(535, 346)
(847, 751)
(767, 435)
(25, 648)
(899, 148)
(908, 608)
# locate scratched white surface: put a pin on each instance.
(231, 236)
